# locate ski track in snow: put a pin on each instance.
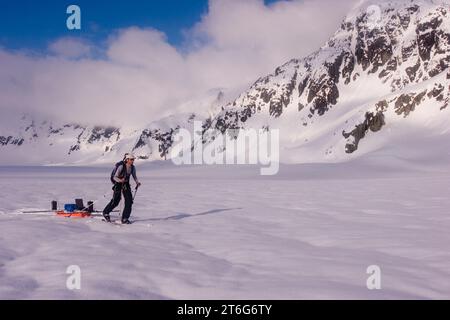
(229, 234)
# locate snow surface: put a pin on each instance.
(227, 233)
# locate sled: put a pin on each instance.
(75, 214)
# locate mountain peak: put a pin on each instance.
(363, 5)
(387, 59)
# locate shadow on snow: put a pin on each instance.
(181, 216)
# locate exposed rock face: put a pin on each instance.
(372, 122)
(96, 135)
(407, 103)
(99, 133)
(11, 140)
(164, 139)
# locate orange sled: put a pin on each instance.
(75, 214)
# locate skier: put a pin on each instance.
(121, 179)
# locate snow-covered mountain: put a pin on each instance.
(382, 78)
(27, 140)
(380, 84)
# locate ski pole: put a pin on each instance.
(136, 190)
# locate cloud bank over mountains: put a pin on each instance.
(136, 76)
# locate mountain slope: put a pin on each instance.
(370, 77)
(33, 140)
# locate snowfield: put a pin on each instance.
(227, 233)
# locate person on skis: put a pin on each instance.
(121, 179)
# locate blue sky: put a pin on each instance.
(33, 24)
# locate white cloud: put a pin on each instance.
(70, 48)
(143, 77)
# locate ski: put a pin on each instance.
(115, 222)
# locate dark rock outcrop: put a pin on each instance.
(372, 122)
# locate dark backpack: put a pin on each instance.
(113, 173)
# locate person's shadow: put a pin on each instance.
(181, 216)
